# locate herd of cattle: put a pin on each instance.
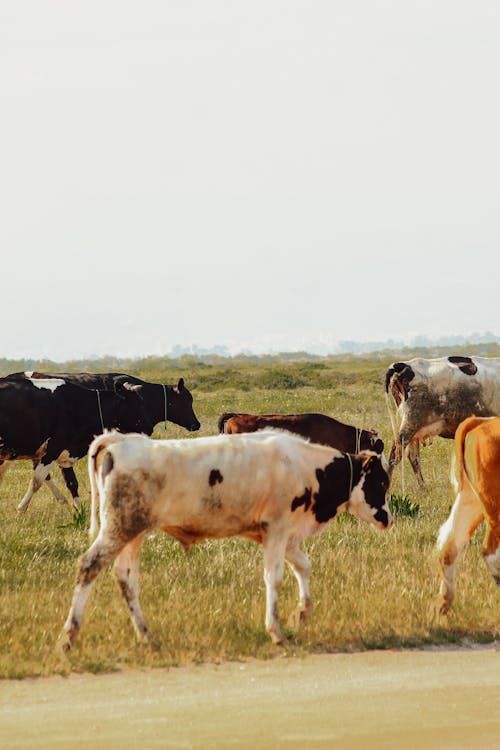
(275, 479)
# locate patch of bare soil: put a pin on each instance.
(392, 700)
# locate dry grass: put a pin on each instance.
(371, 589)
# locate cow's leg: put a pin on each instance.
(393, 459)
(51, 485)
(491, 551)
(413, 453)
(72, 484)
(301, 566)
(4, 465)
(274, 566)
(100, 554)
(55, 490)
(40, 474)
(466, 514)
(127, 575)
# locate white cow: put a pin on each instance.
(272, 487)
(434, 395)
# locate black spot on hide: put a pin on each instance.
(215, 476)
(465, 364)
(335, 486)
(304, 500)
(375, 487)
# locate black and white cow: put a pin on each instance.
(173, 403)
(272, 487)
(434, 395)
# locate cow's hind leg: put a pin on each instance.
(301, 566)
(127, 575)
(274, 566)
(466, 514)
(413, 453)
(100, 554)
(491, 552)
(40, 473)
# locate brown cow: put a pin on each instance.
(476, 479)
(317, 427)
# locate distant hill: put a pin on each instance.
(195, 357)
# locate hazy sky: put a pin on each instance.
(256, 174)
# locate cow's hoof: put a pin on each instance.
(295, 620)
(444, 608)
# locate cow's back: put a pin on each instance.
(318, 428)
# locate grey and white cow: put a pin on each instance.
(433, 396)
(272, 487)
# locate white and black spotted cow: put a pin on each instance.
(53, 422)
(173, 403)
(272, 487)
(434, 395)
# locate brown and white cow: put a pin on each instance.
(434, 395)
(316, 427)
(271, 487)
(475, 476)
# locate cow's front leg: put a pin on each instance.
(40, 474)
(463, 520)
(301, 566)
(274, 566)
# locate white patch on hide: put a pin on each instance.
(50, 384)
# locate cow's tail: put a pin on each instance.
(392, 415)
(223, 419)
(97, 451)
(458, 468)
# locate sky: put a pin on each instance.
(263, 175)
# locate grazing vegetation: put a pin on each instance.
(371, 589)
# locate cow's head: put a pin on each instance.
(180, 407)
(370, 441)
(368, 497)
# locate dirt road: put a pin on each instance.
(392, 700)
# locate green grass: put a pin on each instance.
(371, 589)
(402, 505)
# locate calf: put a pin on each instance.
(271, 487)
(433, 396)
(159, 403)
(317, 427)
(476, 479)
(53, 422)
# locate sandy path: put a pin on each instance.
(402, 700)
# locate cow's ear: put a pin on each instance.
(180, 385)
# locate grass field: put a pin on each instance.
(370, 589)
